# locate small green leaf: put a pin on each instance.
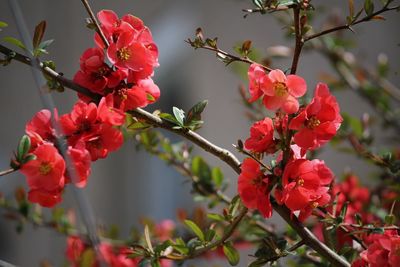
(216, 217)
(259, 3)
(39, 33)
(196, 230)
(155, 263)
(23, 146)
(390, 219)
(179, 115)
(231, 254)
(195, 112)
(88, 258)
(14, 41)
(3, 24)
(201, 169)
(217, 176)
(210, 234)
(369, 7)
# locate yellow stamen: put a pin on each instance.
(45, 168)
(123, 54)
(312, 123)
(280, 89)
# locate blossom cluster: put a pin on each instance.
(300, 184)
(91, 130)
(112, 254)
(78, 252)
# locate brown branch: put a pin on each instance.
(5, 172)
(348, 25)
(96, 23)
(299, 40)
(234, 163)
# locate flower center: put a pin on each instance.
(102, 71)
(300, 182)
(123, 54)
(312, 123)
(45, 168)
(280, 89)
(314, 204)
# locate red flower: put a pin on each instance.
(151, 89)
(82, 119)
(47, 170)
(45, 198)
(253, 187)
(130, 98)
(45, 175)
(108, 114)
(261, 137)
(319, 121)
(256, 76)
(39, 129)
(75, 248)
(129, 53)
(103, 141)
(383, 250)
(94, 72)
(305, 186)
(81, 165)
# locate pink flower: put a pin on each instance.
(281, 91)
(253, 187)
(256, 76)
(319, 121)
(261, 137)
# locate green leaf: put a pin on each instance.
(258, 3)
(23, 146)
(179, 115)
(168, 117)
(39, 33)
(231, 254)
(201, 169)
(216, 217)
(43, 45)
(288, 2)
(155, 263)
(217, 176)
(14, 41)
(195, 112)
(196, 230)
(3, 24)
(369, 7)
(210, 234)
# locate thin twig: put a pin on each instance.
(233, 57)
(348, 25)
(5, 172)
(96, 23)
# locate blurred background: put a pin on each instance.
(129, 184)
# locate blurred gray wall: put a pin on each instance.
(129, 184)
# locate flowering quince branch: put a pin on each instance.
(301, 187)
(232, 161)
